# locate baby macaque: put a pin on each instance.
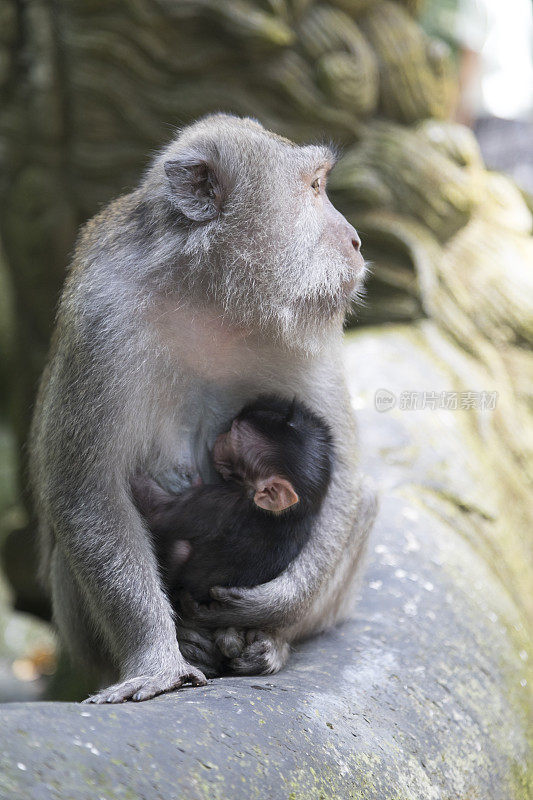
(275, 462)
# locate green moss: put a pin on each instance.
(522, 780)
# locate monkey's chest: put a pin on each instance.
(201, 406)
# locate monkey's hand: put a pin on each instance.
(143, 687)
(241, 607)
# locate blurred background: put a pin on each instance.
(432, 105)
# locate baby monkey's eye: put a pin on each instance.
(315, 186)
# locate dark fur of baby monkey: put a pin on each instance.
(275, 463)
(224, 275)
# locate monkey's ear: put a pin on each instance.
(194, 187)
(275, 494)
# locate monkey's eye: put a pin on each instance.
(315, 186)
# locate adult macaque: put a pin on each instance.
(224, 275)
(276, 462)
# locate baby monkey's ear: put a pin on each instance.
(275, 494)
(194, 186)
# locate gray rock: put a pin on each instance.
(423, 695)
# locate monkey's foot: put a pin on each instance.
(230, 641)
(263, 654)
(200, 649)
(143, 687)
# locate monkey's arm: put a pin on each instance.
(85, 440)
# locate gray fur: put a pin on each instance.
(172, 317)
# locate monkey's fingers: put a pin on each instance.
(195, 677)
(234, 604)
(144, 687)
(192, 611)
(240, 607)
(227, 594)
(266, 605)
(230, 641)
(264, 654)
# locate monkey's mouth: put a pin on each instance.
(356, 279)
(349, 286)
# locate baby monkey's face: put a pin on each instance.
(244, 454)
(227, 454)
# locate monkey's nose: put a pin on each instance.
(356, 242)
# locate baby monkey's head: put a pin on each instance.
(281, 451)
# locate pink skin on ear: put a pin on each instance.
(275, 494)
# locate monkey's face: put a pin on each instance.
(312, 265)
(241, 453)
(263, 242)
(245, 454)
(225, 457)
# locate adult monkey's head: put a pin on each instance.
(247, 227)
